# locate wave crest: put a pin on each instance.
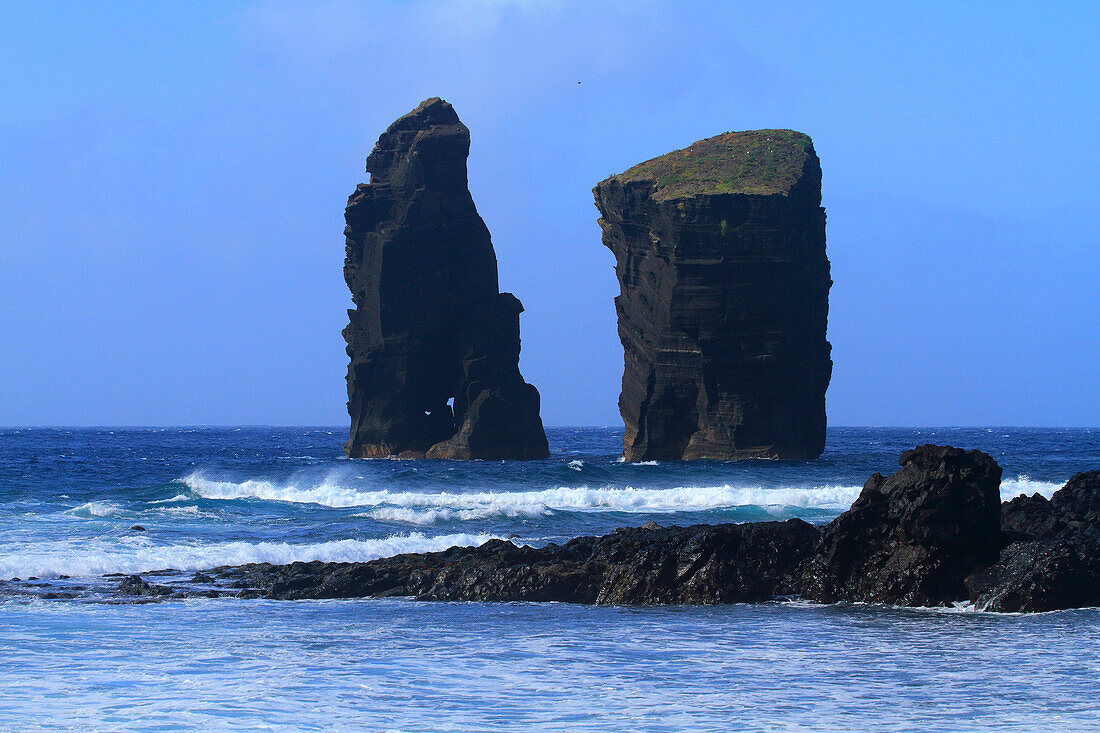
(1011, 488)
(429, 507)
(98, 509)
(471, 505)
(140, 555)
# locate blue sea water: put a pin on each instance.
(218, 496)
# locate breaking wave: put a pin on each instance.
(470, 505)
(425, 507)
(1011, 488)
(141, 555)
(97, 509)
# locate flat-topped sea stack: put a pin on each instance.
(434, 345)
(720, 255)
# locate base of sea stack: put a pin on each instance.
(932, 534)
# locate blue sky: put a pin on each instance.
(174, 177)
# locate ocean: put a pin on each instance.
(71, 498)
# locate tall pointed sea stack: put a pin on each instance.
(434, 345)
(720, 254)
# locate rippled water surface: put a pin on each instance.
(69, 500)
(401, 665)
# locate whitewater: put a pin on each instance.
(80, 505)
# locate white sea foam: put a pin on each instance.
(430, 507)
(185, 510)
(141, 554)
(96, 509)
(528, 503)
(1011, 488)
(326, 493)
(576, 465)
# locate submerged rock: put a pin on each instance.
(434, 345)
(135, 585)
(912, 539)
(720, 255)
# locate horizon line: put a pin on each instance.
(217, 426)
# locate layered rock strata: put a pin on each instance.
(720, 256)
(434, 345)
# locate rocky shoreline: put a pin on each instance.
(932, 534)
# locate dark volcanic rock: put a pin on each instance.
(134, 585)
(720, 255)
(703, 564)
(434, 345)
(1052, 557)
(1026, 518)
(725, 563)
(1073, 510)
(911, 539)
(1040, 576)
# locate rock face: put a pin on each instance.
(1051, 558)
(434, 345)
(912, 539)
(720, 255)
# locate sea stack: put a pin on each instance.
(724, 286)
(434, 345)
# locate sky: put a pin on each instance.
(173, 178)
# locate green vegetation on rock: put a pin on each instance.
(757, 162)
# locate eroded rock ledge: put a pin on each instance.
(434, 345)
(933, 533)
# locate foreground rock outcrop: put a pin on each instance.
(1051, 554)
(720, 255)
(434, 345)
(912, 539)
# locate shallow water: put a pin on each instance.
(206, 497)
(403, 665)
